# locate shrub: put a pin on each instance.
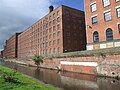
(38, 60)
(10, 77)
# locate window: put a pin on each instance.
(119, 28)
(58, 13)
(50, 17)
(46, 19)
(50, 43)
(67, 20)
(40, 39)
(67, 33)
(50, 23)
(73, 13)
(58, 33)
(117, 0)
(54, 50)
(68, 41)
(46, 31)
(54, 15)
(41, 52)
(50, 51)
(58, 27)
(43, 32)
(41, 28)
(58, 41)
(107, 16)
(46, 37)
(54, 35)
(67, 26)
(81, 42)
(43, 21)
(54, 21)
(54, 42)
(44, 27)
(50, 30)
(109, 34)
(106, 3)
(58, 19)
(118, 12)
(67, 12)
(58, 49)
(94, 20)
(43, 45)
(40, 45)
(46, 51)
(95, 37)
(54, 28)
(50, 36)
(46, 44)
(93, 7)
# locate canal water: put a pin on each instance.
(67, 80)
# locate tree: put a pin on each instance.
(38, 60)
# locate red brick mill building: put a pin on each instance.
(1, 54)
(61, 30)
(11, 46)
(102, 23)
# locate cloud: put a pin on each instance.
(17, 15)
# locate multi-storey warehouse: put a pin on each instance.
(1, 54)
(11, 47)
(62, 30)
(102, 23)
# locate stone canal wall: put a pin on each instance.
(98, 65)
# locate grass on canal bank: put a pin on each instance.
(23, 82)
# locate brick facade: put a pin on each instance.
(11, 47)
(1, 54)
(100, 17)
(62, 30)
(106, 65)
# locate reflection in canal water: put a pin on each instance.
(66, 80)
(1, 62)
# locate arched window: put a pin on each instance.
(95, 37)
(109, 34)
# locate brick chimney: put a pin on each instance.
(51, 8)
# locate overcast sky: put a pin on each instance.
(17, 15)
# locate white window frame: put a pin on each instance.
(106, 3)
(93, 17)
(118, 27)
(118, 12)
(117, 0)
(93, 6)
(107, 12)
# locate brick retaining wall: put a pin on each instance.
(106, 65)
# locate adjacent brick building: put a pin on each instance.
(102, 23)
(60, 31)
(1, 54)
(11, 47)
